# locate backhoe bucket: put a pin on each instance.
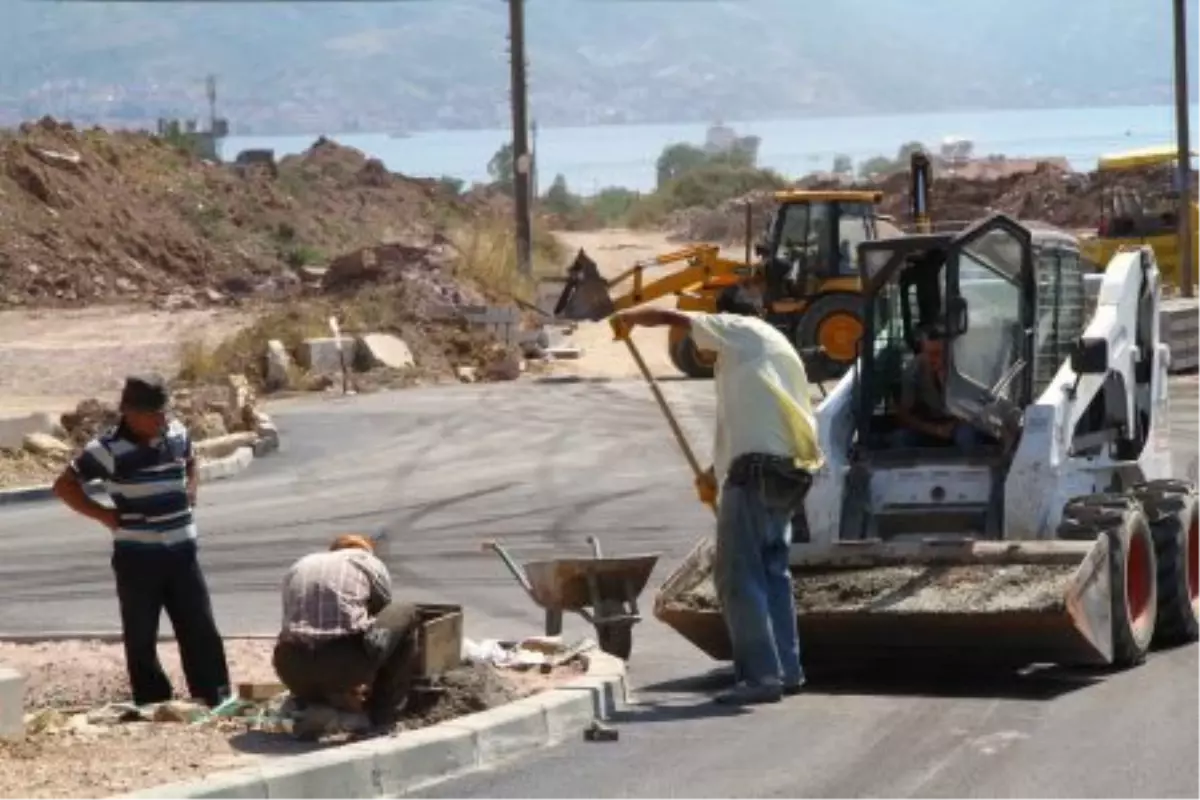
(1006, 603)
(585, 296)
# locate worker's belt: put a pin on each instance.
(781, 485)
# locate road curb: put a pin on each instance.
(216, 469)
(416, 759)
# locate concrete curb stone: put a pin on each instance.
(12, 703)
(415, 759)
(216, 469)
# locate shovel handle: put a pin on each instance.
(680, 437)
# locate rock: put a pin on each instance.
(467, 374)
(279, 366)
(209, 425)
(89, 418)
(321, 354)
(125, 285)
(222, 446)
(13, 430)
(318, 382)
(385, 350)
(178, 711)
(46, 445)
(213, 295)
(507, 367)
(173, 302)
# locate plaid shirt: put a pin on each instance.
(333, 593)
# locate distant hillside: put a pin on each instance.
(314, 66)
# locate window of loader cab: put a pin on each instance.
(854, 228)
(988, 280)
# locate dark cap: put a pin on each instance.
(144, 393)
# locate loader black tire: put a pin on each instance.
(686, 358)
(1133, 570)
(1172, 508)
(823, 309)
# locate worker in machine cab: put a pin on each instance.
(922, 413)
(763, 458)
(344, 643)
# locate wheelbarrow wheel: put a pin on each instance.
(616, 639)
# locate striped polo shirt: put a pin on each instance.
(146, 481)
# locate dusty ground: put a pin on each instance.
(614, 251)
(83, 760)
(51, 359)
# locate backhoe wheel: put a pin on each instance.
(1133, 569)
(687, 358)
(834, 322)
(1172, 508)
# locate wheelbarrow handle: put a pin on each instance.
(516, 569)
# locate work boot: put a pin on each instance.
(751, 694)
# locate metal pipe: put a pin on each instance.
(522, 166)
(1184, 166)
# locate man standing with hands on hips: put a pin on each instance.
(149, 470)
(763, 458)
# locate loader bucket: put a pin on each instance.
(997, 603)
(585, 296)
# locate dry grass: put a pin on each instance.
(488, 258)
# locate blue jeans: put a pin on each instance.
(965, 438)
(754, 585)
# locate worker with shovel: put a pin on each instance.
(764, 453)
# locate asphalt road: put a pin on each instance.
(540, 468)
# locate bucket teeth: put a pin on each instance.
(585, 296)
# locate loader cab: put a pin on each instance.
(813, 237)
(978, 287)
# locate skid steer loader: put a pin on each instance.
(1062, 539)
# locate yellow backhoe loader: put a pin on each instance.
(805, 266)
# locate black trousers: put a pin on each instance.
(149, 580)
(384, 658)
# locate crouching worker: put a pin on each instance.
(344, 643)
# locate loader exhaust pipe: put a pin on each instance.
(919, 192)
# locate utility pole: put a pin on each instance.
(1187, 248)
(521, 160)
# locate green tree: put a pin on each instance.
(501, 166)
(905, 153)
(876, 166)
(678, 159)
(842, 165)
(558, 199)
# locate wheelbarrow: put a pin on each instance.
(603, 591)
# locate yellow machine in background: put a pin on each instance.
(1130, 219)
(806, 268)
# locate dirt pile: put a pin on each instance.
(1049, 193)
(91, 215)
(725, 224)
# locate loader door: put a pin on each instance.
(989, 314)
